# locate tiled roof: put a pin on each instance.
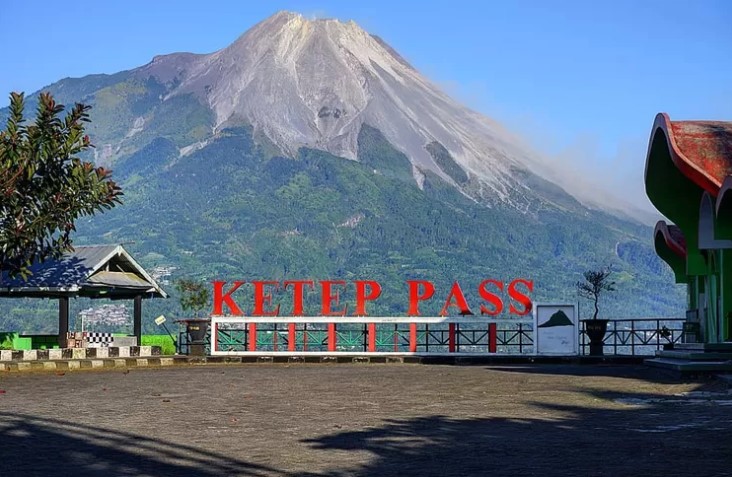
(702, 150)
(673, 236)
(81, 270)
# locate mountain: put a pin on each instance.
(315, 84)
(312, 149)
(557, 319)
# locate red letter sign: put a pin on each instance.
(330, 300)
(361, 296)
(262, 298)
(297, 294)
(457, 293)
(520, 297)
(220, 298)
(494, 299)
(415, 297)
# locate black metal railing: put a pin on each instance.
(510, 338)
(624, 337)
(184, 342)
(637, 336)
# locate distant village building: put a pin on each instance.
(161, 274)
(109, 316)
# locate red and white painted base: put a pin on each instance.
(251, 323)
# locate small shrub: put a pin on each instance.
(194, 296)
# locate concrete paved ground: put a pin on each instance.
(363, 420)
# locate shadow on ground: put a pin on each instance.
(32, 446)
(595, 434)
(644, 435)
(645, 373)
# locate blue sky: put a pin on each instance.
(580, 80)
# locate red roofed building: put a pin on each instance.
(688, 177)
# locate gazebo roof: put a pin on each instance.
(701, 150)
(672, 236)
(102, 271)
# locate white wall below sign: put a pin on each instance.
(555, 329)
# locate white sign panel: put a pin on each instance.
(555, 329)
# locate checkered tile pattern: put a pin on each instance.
(100, 339)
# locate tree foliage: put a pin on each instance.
(44, 185)
(595, 284)
(194, 296)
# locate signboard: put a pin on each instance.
(333, 293)
(276, 317)
(555, 329)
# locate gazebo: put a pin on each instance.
(688, 178)
(102, 271)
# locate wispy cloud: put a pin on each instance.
(315, 15)
(615, 181)
(578, 164)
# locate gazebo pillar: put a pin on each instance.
(63, 321)
(137, 319)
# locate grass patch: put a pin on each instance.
(164, 341)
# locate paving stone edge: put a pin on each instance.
(160, 361)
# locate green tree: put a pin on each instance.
(44, 186)
(194, 295)
(595, 284)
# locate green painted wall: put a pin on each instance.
(708, 273)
